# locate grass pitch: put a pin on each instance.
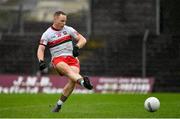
(88, 106)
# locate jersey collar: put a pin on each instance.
(55, 29)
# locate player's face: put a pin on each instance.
(60, 20)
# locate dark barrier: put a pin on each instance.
(54, 84)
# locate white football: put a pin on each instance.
(152, 104)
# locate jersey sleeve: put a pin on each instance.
(73, 32)
(43, 40)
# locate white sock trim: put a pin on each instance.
(59, 102)
(82, 82)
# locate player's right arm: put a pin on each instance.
(41, 50)
(40, 55)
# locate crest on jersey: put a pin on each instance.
(64, 32)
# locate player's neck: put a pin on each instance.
(56, 27)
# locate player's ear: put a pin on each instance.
(55, 18)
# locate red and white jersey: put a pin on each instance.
(59, 41)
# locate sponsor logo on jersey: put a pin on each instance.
(58, 34)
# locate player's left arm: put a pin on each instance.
(81, 41)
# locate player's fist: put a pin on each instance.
(75, 51)
(42, 65)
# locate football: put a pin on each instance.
(152, 104)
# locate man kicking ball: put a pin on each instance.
(59, 38)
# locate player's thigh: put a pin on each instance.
(63, 68)
(75, 69)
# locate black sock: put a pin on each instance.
(63, 98)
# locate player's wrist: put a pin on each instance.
(77, 47)
(76, 50)
(40, 61)
(42, 65)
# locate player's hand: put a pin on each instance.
(42, 65)
(75, 51)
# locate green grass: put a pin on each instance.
(88, 106)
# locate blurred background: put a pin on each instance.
(133, 45)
